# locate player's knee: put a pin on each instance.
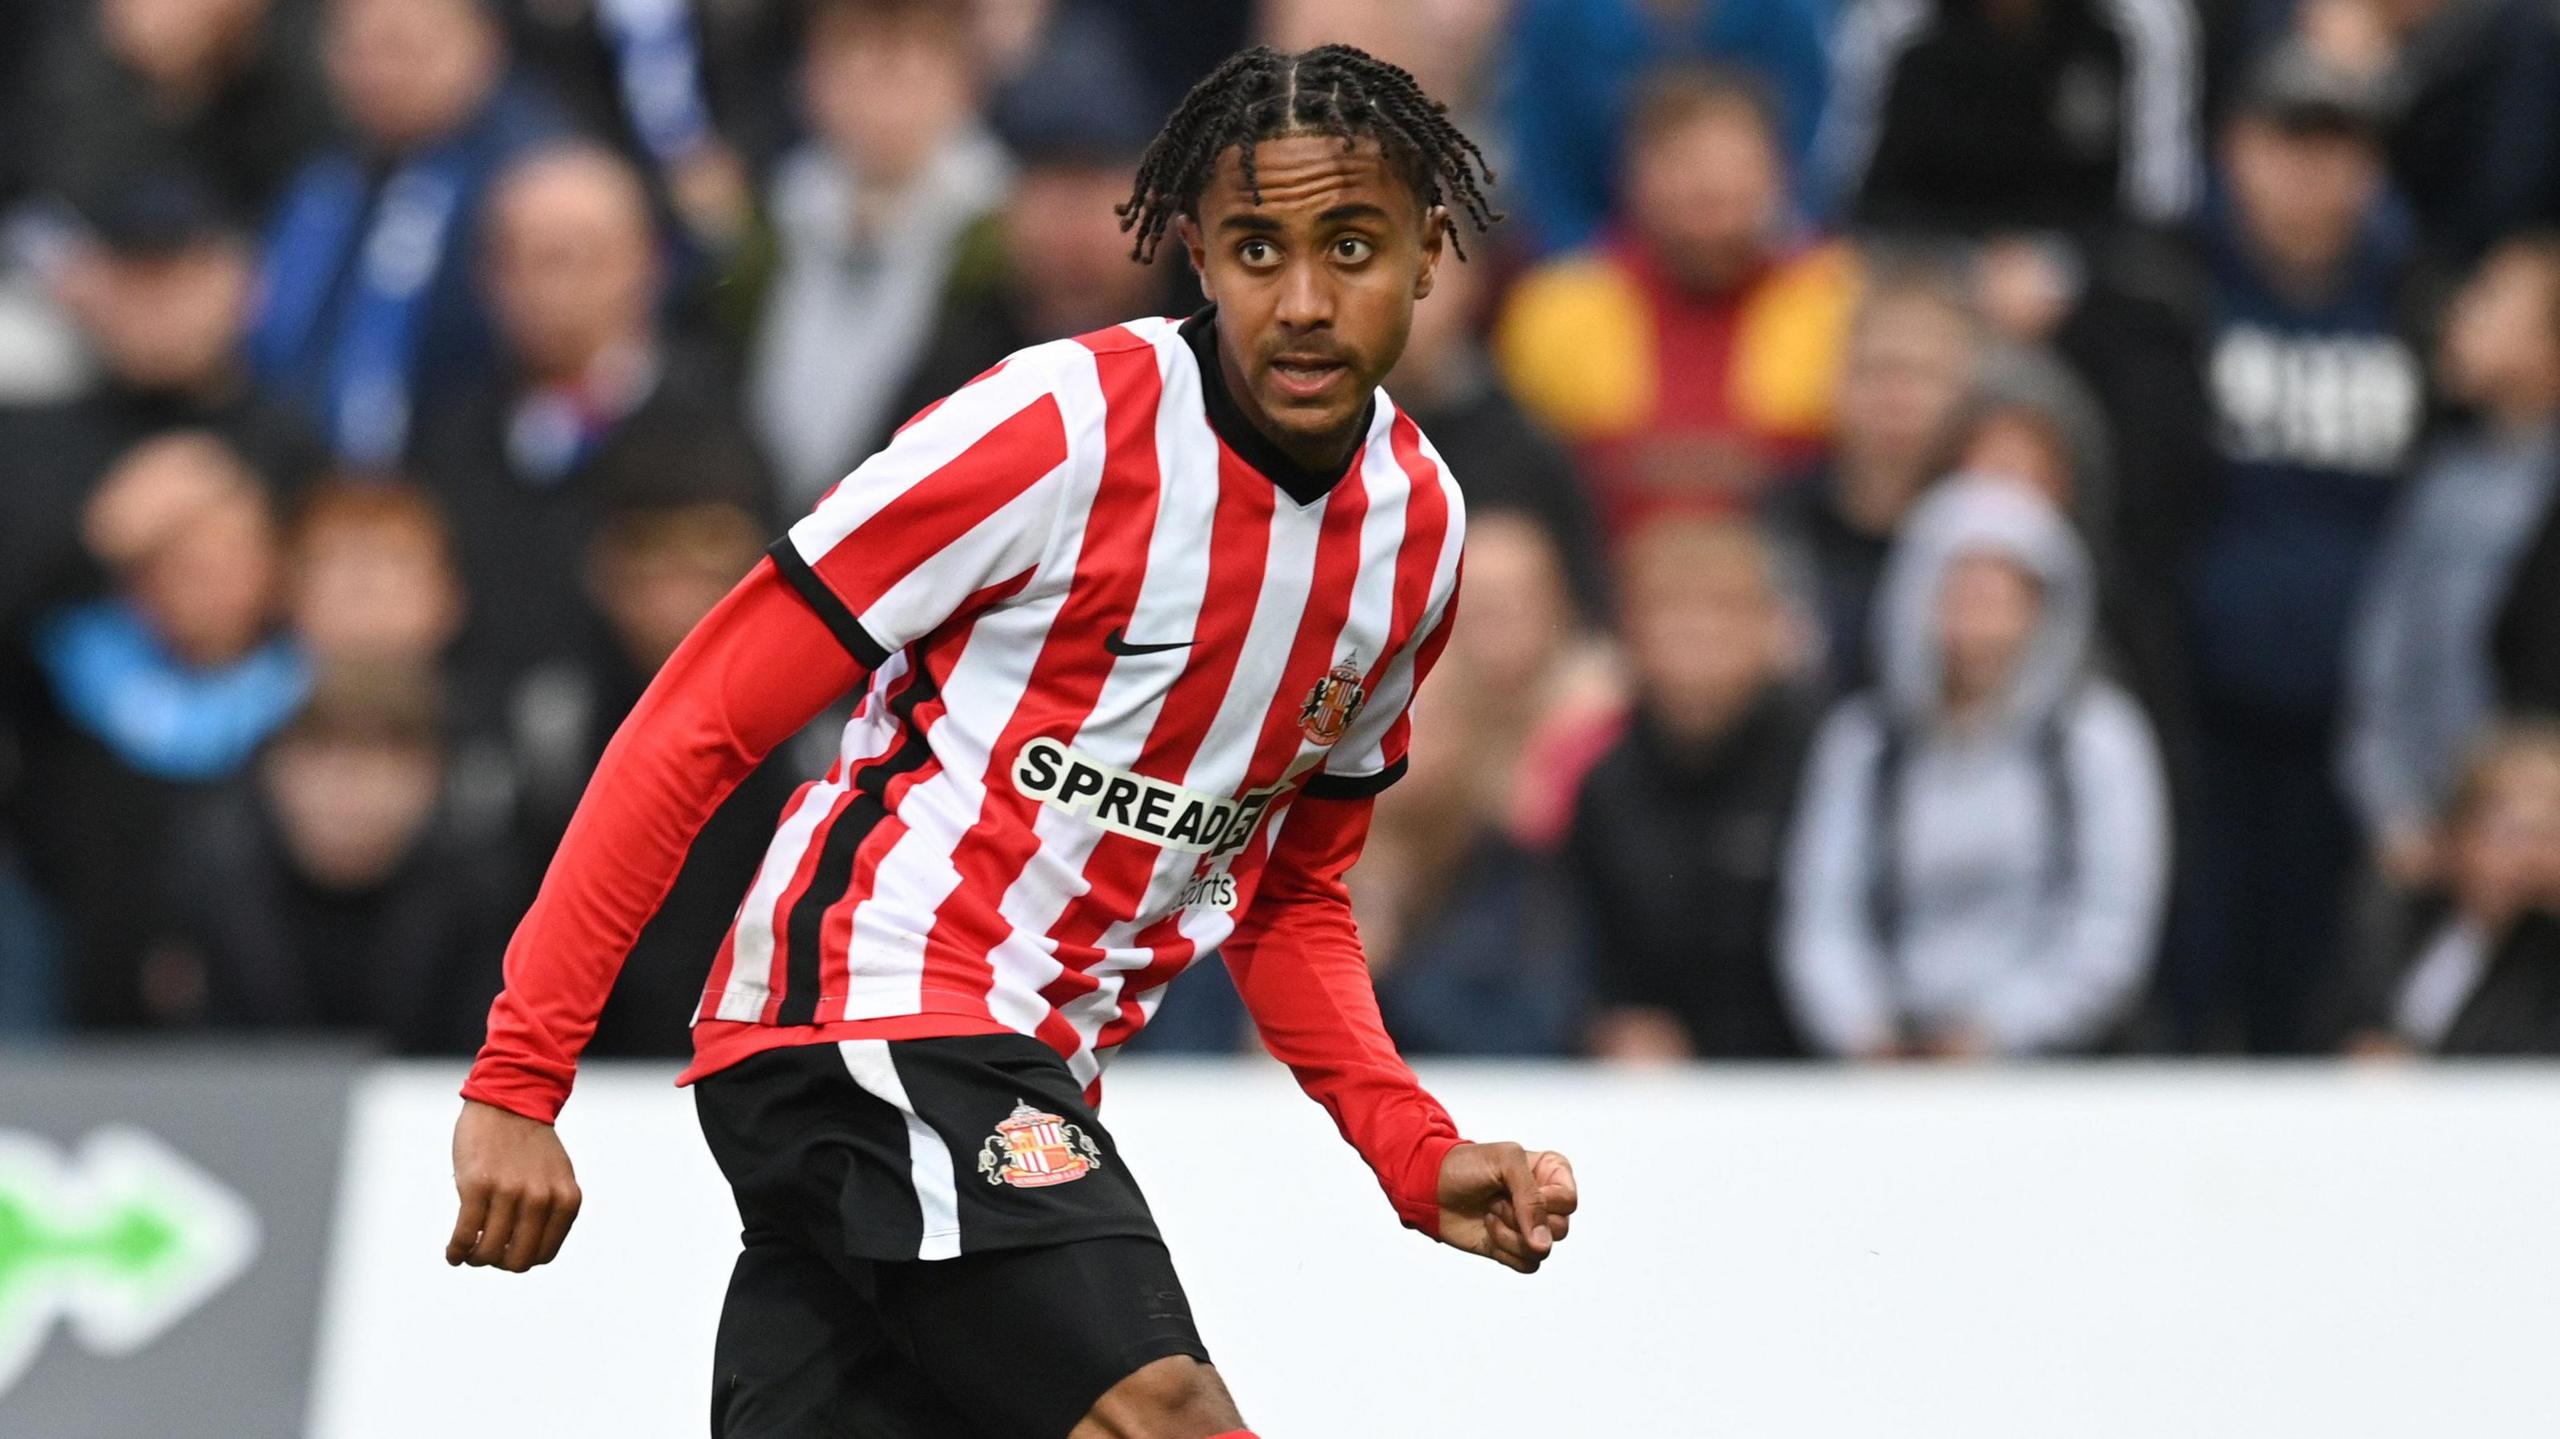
(1174, 1398)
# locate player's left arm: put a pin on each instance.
(1297, 961)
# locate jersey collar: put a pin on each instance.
(1255, 448)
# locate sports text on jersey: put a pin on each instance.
(1174, 816)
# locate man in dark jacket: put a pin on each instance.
(1976, 116)
(592, 410)
(321, 895)
(1677, 833)
(2317, 394)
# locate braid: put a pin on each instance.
(1336, 90)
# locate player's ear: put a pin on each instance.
(1187, 230)
(1435, 230)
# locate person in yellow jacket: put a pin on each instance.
(1689, 356)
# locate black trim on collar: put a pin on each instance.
(1352, 786)
(1251, 444)
(839, 618)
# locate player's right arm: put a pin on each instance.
(959, 505)
(759, 667)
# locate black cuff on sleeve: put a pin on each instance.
(1352, 786)
(848, 630)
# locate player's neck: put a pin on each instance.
(1305, 471)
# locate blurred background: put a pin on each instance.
(2001, 527)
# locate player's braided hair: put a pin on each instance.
(1338, 90)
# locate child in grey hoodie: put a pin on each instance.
(1981, 855)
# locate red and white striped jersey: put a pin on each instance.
(1111, 635)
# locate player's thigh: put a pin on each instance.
(1027, 1341)
(1173, 1398)
(793, 1337)
(802, 1353)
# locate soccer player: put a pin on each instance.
(1135, 619)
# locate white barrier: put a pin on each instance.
(2078, 1253)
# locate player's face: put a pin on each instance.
(1314, 282)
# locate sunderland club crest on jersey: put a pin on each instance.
(1032, 1150)
(1333, 703)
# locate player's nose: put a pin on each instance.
(1306, 299)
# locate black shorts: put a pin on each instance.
(941, 1241)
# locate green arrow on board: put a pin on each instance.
(130, 1241)
(121, 1240)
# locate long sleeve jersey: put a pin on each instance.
(1126, 677)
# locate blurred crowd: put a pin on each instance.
(1998, 527)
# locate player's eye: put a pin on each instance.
(1352, 249)
(1257, 253)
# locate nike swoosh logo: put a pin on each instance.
(1118, 644)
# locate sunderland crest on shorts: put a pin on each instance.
(1333, 703)
(1032, 1150)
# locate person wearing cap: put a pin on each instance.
(2474, 122)
(2314, 398)
(157, 280)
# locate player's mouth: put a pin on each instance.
(1307, 377)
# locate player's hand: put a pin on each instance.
(519, 1195)
(1509, 1204)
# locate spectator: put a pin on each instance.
(370, 578)
(1913, 349)
(1448, 383)
(1689, 357)
(1546, 698)
(160, 286)
(1053, 262)
(1678, 829)
(320, 894)
(1971, 117)
(1575, 68)
(224, 91)
(2478, 969)
(2420, 677)
(162, 688)
(687, 90)
(2317, 394)
(2475, 115)
(368, 303)
(1982, 851)
(590, 409)
(371, 582)
(1476, 937)
(655, 573)
(2031, 420)
(865, 216)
